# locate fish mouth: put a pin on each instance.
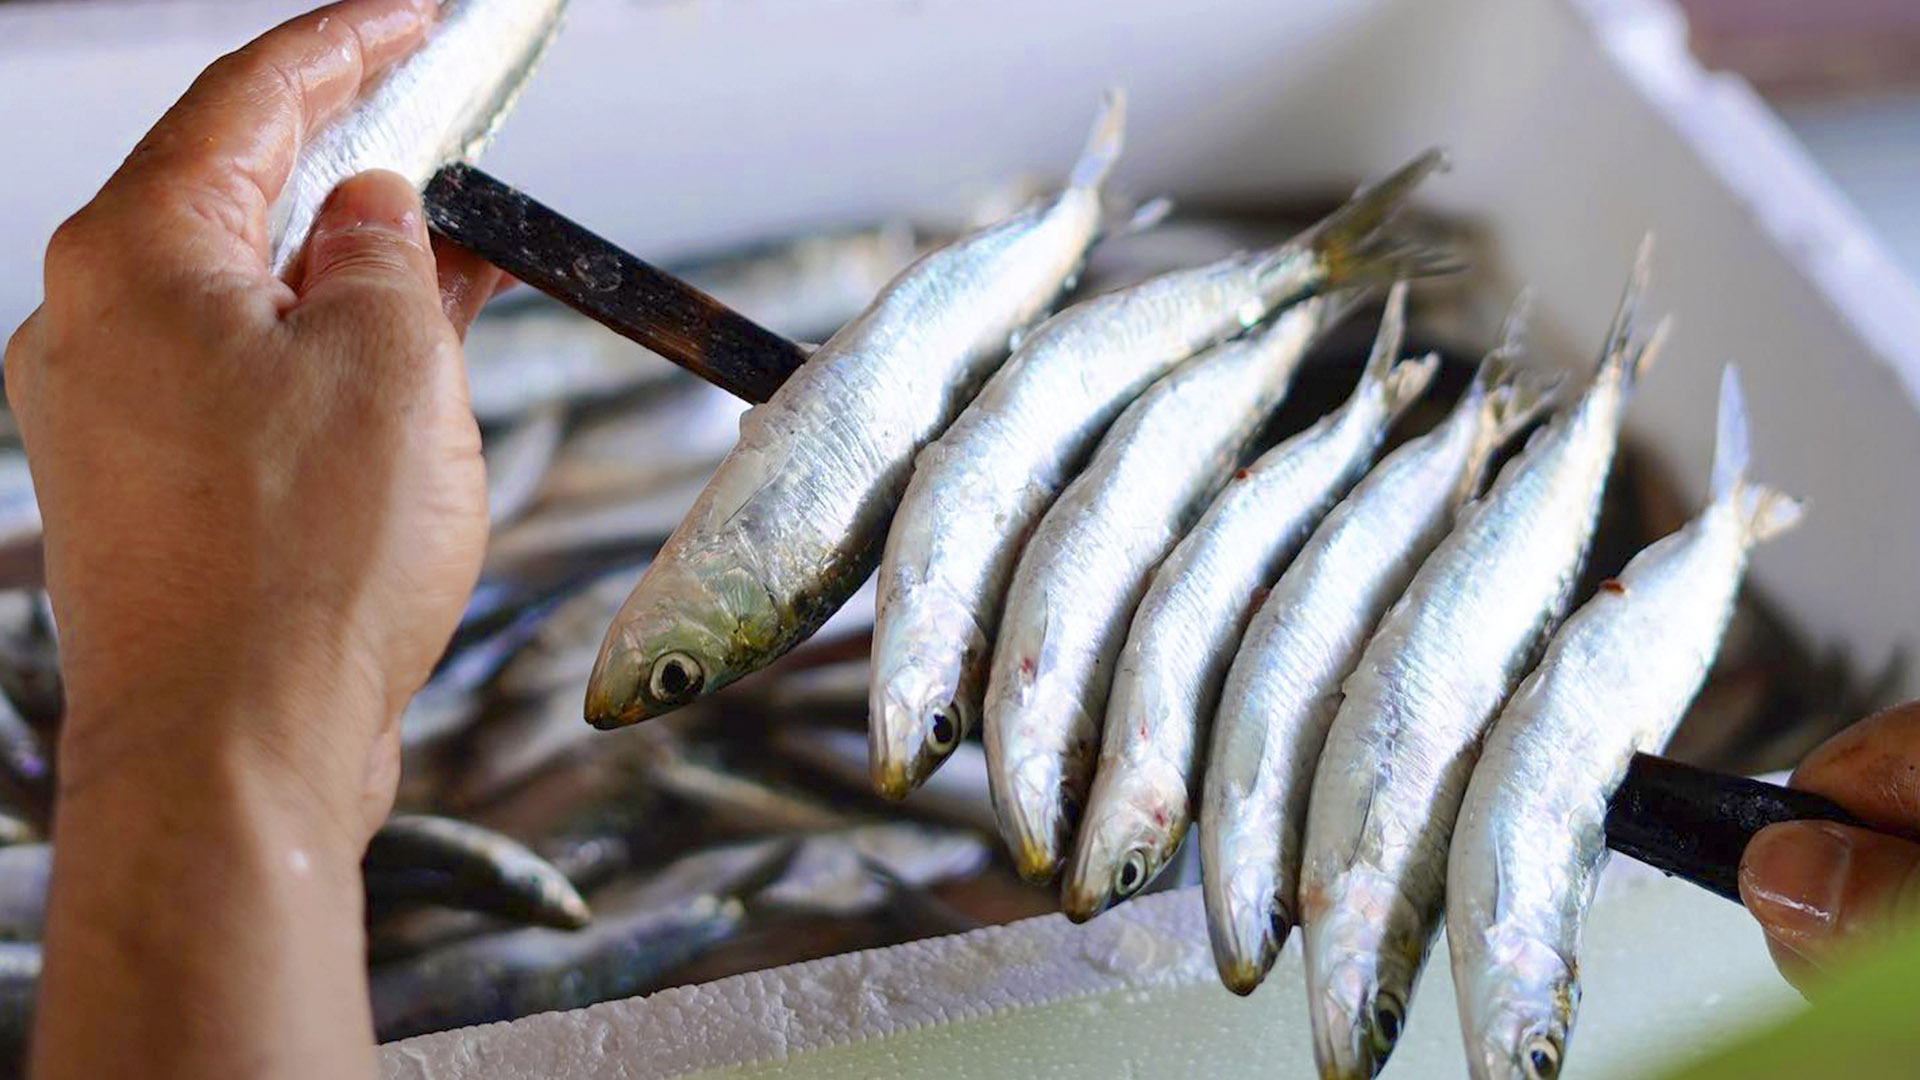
(898, 756)
(1245, 942)
(893, 777)
(1034, 825)
(1081, 903)
(608, 706)
(1035, 864)
(1341, 1008)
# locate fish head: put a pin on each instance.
(1518, 1009)
(689, 628)
(928, 656)
(1246, 922)
(1363, 950)
(1134, 823)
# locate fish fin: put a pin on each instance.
(1506, 396)
(1408, 381)
(1400, 383)
(1764, 512)
(1146, 215)
(1104, 144)
(1731, 445)
(1393, 330)
(1345, 242)
(1634, 358)
(1361, 216)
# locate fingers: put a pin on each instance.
(1799, 972)
(1872, 769)
(220, 156)
(1818, 888)
(467, 282)
(368, 258)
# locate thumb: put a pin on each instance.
(370, 236)
(1819, 889)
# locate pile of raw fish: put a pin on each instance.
(1357, 675)
(1093, 552)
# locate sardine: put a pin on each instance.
(19, 523)
(15, 829)
(833, 873)
(441, 104)
(558, 655)
(1615, 680)
(30, 657)
(19, 983)
(25, 870)
(1181, 639)
(587, 533)
(742, 802)
(523, 352)
(979, 492)
(417, 858)
(452, 699)
(26, 766)
(808, 287)
(1082, 573)
(792, 522)
(1284, 682)
(628, 951)
(1444, 658)
(675, 435)
(957, 794)
(517, 459)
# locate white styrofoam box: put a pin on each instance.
(1132, 993)
(1575, 125)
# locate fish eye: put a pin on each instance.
(1132, 874)
(945, 726)
(1388, 1017)
(676, 678)
(1541, 1058)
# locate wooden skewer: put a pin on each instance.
(632, 298)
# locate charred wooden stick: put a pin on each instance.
(1695, 824)
(628, 296)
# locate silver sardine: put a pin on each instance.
(1615, 680)
(791, 524)
(1284, 683)
(1444, 658)
(439, 105)
(1181, 639)
(978, 493)
(426, 859)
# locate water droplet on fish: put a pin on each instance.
(599, 272)
(1250, 313)
(1014, 339)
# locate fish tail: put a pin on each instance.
(1505, 397)
(1764, 512)
(1104, 144)
(1346, 244)
(1131, 218)
(1732, 446)
(1630, 355)
(1400, 382)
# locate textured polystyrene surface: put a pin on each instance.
(1668, 970)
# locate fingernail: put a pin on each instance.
(381, 201)
(1792, 877)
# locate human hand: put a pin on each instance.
(1820, 890)
(264, 502)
